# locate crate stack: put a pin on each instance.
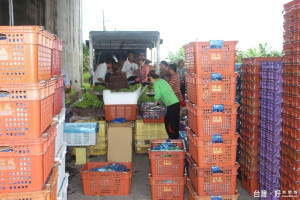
(290, 146)
(212, 115)
(270, 127)
(250, 115)
(28, 134)
(167, 178)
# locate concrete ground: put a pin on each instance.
(140, 188)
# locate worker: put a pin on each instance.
(175, 81)
(164, 74)
(117, 80)
(144, 70)
(130, 67)
(181, 70)
(101, 75)
(165, 94)
(66, 93)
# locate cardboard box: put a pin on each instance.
(119, 142)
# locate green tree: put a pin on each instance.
(263, 51)
(86, 58)
(175, 57)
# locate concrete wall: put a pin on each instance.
(61, 17)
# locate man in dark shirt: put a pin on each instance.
(117, 79)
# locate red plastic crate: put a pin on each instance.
(249, 133)
(287, 180)
(254, 102)
(292, 14)
(250, 117)
(204, 91)
(120, 111)
(252, 65)
(57, 105)
(290, 151)
(249, 125)
(295, 164)
(293, 25)
(207, 183)
(290, 79)
(292, 131)
(25, 54)
(27, 111)
(56, 56)
(251, 110)
(249, 161)
(292, 4)
(284, 188)
(154, 121)
(167, 163)
(249, 180)
(292, 59)
(291, 111)
(251, 141)
(204, 122)
(291, 100)
(292, 36)
(250, 85)
(291, 121)
(194, 196)
(206, 153)
(167, 187)
(291, 89)
(249, 149)
(291, 69)
(292, 172)
(105, 183)
(29, 160)
(254, 94)
(201, 59)
(291, 47)
(49, 191)
(249, 77)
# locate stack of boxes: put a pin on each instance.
(250, 115)
(290, 146)
(270, 128)
(212, 115)
(27, 132)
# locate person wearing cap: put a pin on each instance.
(144, 70)
(164, 74)
(165, 94)
(130, 67)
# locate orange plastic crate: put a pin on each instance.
(254, 102)
(105, 183)
(250, 117)
(290, 5)
(292, 172)
(203, 91)
(201, 59)
(207, 183)
(291, 69)
(49, 191)
(251, 110)
(285, 188)
(28, 160)
(154, 121)
(249, 149)
(291, 36)
(25, 54)
(291, 121)
(167, 163)
(206, 153)
(249, 133)
(57, 105)
(27, 111)
(253, 127)
(204, 122)
(292, 131)
(290, 151)
(56, 56)
(249, 77)
(120, 111)
(194, 196)
(252, 65)
(293, 90)
(167, 187)
(293, 25)
(249, 180)
(254, 94)
(251, 85)
(292, 14)
(251, 141)
(291, 141)
(292, 59)
(291, 47)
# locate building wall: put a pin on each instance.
(60, 17)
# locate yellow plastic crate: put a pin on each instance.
(145, 131)
(82, 154)
(98, 152)
(101, 145)
(141, 150)
(142, 146)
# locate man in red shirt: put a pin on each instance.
(175, 81)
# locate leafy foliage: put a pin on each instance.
(175, 57)
(89, 101)
(86, 58)
(263, 51)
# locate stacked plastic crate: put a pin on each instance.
(250, 122)
(290, 147)
(27, 134)
(270, 126)
(212, 115)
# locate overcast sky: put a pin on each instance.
(179, 22)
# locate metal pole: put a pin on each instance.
(11, 12)
(91, 60)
